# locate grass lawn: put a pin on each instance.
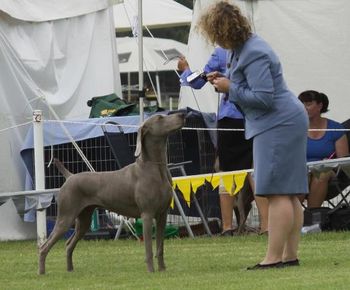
(201, 263)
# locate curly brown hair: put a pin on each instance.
(224, 24)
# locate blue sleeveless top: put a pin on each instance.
(323, 148)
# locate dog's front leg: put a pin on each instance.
(43, 251)
(147, 237)
(161, 223)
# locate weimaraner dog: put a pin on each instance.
(141, 189)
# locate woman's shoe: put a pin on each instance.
(227, 233)
(263, 233)
(291, 263)
(266, 266)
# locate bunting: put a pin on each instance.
(190, 184)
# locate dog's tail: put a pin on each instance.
(63, 170)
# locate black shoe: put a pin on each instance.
(227, 233)
(291, 263)
(266, 266)
(264, 233)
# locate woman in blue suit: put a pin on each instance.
(275, 119)
(234, 152)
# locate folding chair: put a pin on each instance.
(340, 184)
(118, 142)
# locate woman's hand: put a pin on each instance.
(182, 64)
(212, 76)
(221, 84)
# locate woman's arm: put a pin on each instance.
(342, 147)
(258, 89)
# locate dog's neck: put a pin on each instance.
(140, 159)
(155, 156)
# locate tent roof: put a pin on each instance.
(44, 10)
(153, 54)
(155, 14)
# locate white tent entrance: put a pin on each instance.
(155, 14)
(158, 55)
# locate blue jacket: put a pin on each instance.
(217, 62)
(258, 87)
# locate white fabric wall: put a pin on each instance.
(60, 63)
(44, 10)
(312, 39)
(12, 226)
(68, 60)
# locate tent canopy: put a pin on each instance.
(156, 52)
(155, 14)
(43, 10)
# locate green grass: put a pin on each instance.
(201, 263)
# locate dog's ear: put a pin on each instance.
(140, 134)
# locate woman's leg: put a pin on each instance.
(262, 204)
(226, 204)
(281, 222)
(318, 189)
(292, 244)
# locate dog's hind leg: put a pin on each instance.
(147, 237)
(237, 215)
(244, 204)
(243, 217)
(82, 224)
(161, 222)
(60, 228)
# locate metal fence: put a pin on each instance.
(185, 145)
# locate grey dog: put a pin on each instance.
(141, 189)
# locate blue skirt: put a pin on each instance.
(280, 159)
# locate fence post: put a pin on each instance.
(39, 173)
(170, 103)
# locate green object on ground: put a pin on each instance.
(170, 230)
(95, 225)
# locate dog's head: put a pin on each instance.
(159, 126)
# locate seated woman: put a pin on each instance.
(321, 144)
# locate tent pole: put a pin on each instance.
(170, 103)
(39, 174)
(140, 47)
(129, 88)
(159, 96)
